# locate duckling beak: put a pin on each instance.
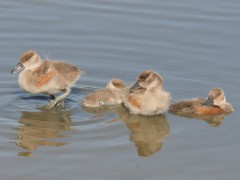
(135, 87)
(19, 67)
(208, 102)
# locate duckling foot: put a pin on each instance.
(60, 104)
(57, 100)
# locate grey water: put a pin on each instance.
(194, 45)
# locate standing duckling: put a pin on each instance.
(147, 96)
(39, 76)
(214, 104)
(112, 95)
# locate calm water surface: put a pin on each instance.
(194, 45)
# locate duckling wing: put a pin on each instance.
(43, 74)
(44, 79)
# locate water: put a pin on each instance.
(194, 45)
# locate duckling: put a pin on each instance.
(39, 76)
(147, 96)
(214, 104)
(112, 95)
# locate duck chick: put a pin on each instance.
(39, 76)
(147, 96)
(112, 95)
(214, 104)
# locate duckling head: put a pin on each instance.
(147, 80)
(28, 60)
(215, 97)
(116, 85)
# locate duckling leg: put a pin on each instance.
(52, 97)
(53, 103)
(59, 104)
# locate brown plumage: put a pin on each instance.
(113, 94)
(214, 104)
(39, 76)
(147, 96)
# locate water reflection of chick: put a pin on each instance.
(147, 132)
(100, 111)
(38, 127)
(212, 120)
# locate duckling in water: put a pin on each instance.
(147, 96)
(39, 76)
(112, 95)
(214, 104)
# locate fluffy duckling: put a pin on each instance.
(147, 96)
(112, 95)
(46, 77)
(214, 104)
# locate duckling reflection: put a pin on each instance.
(99, 112)
(212, 120)
(147, 132)
(38, 127)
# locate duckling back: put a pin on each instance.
(67, 72)
(186, 106)
(112, 95)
